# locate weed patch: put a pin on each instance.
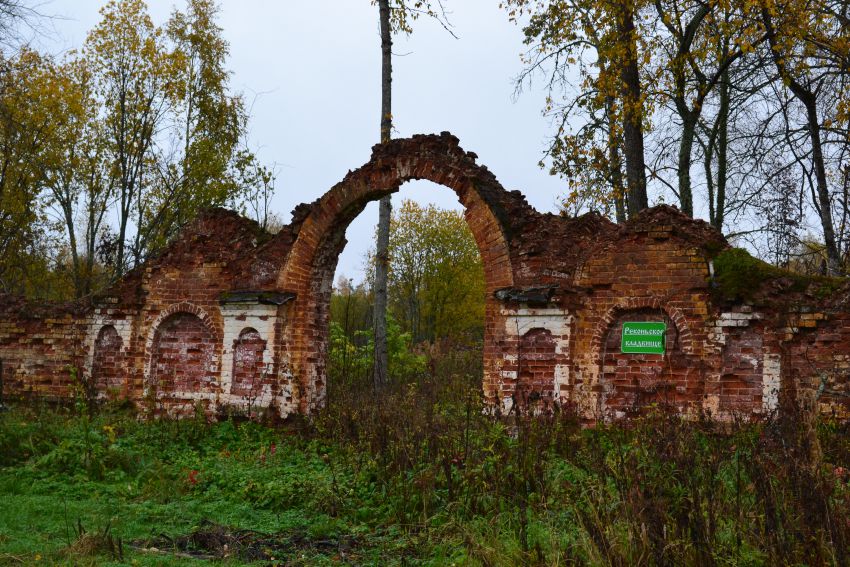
(214, 541)
(419, 475)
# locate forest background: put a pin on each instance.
(736, 112)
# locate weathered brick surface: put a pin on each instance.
(183, 357)
(229, 316)
(39, 347)
(629, 383)
(535, 365)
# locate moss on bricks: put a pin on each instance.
(739, 275)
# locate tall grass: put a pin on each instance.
(541, 489)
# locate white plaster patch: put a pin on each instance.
(237, 318)
(557, 321)
(735, 319)
(729, 319)
(404, 169)
(771, 381)
(751, 359)
(711, 404)
(124, 328)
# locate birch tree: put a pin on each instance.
(133, 71)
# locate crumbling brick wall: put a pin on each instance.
(535, 365)
(41, 348)
(183, 356)
(629, 383)
(233, 319)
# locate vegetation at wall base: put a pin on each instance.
(419, 476)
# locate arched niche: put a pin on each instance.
(537, 359)
(107, 369)
(248, 366)
(183, 356)
(630, 383)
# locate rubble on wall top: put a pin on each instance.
(531, 295)
(20, 307)
(668, 219)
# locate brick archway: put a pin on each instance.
(248, 368)
(310, 266)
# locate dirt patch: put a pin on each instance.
(214, 541)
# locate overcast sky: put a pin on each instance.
(312, 71)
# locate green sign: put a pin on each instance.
(643, 338)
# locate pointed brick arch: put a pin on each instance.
(309, 269)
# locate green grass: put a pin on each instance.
(424, 478)
(144, 480)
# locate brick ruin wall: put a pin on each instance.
(235, 319)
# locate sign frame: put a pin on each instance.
(643, 337)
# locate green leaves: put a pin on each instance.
(139, 129)
(211, 121)
(436, 282)
(29, 125)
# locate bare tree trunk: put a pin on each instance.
(386, 71)
(615, 162)
(722, 147)
(689, 116)
(96, 204)
(808, 98)
(68, 213)
(64, 195)
(382, 259)
(717, 146)
(686, 147)
(709, 180)
(632, 113)
(824, 203)
(119, 132)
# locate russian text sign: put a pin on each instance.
(643, 338)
